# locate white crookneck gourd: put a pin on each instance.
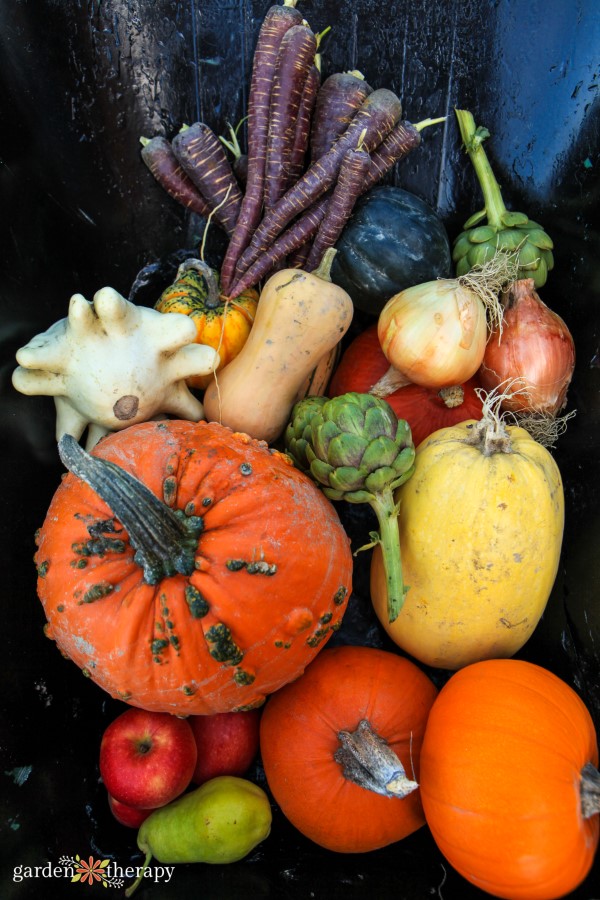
(111, 364)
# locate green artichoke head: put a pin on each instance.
(495, 228)
(357, 448)
(297, 432)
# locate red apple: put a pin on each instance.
(147, 758)
(227, 743)
(130, 816)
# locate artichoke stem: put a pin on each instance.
(386, 510)
(473, 138)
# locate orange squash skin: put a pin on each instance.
(272, 575)
(298, 739)
(505, 743)
(224, 328)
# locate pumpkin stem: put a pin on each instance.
(590, 791)
(213, 299)
(369, 761)
(452, 396)
(165, 540)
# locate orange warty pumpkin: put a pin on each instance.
(509, 782)
(318, 736)
(230, 574)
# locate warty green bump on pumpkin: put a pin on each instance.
(169, 490)
(97, 592)
(243, 678)
(261, 568)
(234, 565)
(340, 595)
(223, 649)
(197, 604)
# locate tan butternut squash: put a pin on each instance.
(301, 316)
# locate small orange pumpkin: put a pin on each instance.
(509, 782)
(206, 581)
(221, 323)
(340, 748)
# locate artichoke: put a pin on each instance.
(512, 232)
(356, 449)
(297, 433)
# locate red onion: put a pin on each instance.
(531, 356)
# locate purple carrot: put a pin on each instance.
(308, 99)
(299, 151)
(296, 56)
(277, 21)
(377, 116)
(403, 138)
(158, 155)
(295, 236)
(203, 159)
(338, 100)
(346, 192)
(297, 259)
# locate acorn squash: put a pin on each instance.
(392, 241)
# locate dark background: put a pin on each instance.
(80, 82)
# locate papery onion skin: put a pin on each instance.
(534, 358)
(434, 333)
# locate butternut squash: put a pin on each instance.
(300, 318)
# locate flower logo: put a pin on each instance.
(94, 870)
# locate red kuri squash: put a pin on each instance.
(509, 781)
(340, 748)
(202, 592)
(425, 409)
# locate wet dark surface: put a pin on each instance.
(80, 83)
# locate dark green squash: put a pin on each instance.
(392, 241)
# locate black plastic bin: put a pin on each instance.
(80, 83)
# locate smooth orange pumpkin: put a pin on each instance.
(220, 606)
(509, 782)
(425, 409)
(307, 730)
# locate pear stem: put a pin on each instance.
(138, 880)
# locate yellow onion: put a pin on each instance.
(434, 334)
(530, 355)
